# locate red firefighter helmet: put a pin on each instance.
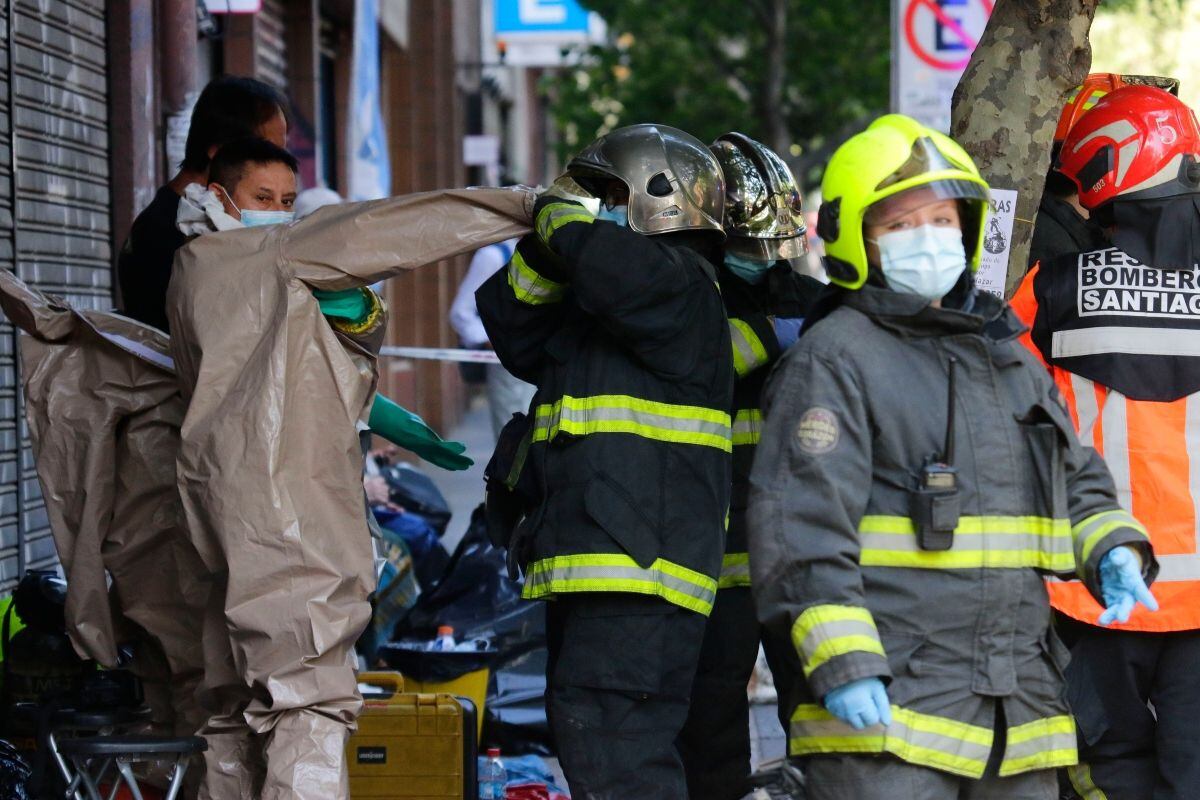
(1083, 98)
(1138, 142)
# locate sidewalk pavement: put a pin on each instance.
(464, 490)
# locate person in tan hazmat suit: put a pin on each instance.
(270, 468)
(104, 412)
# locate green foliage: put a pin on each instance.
(700, 65)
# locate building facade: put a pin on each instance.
(96, 96)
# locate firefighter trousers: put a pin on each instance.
(885, 777)
(715, 742)
(618, 681)
(1136, 700)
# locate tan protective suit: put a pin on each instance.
(104, 412)
(270, 469)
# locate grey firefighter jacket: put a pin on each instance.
(626, 339)
(852, 412)
(752, 309)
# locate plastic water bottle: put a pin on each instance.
(445, 639)
(493, 777)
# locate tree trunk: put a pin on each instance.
(1008, 102)
(776, 129)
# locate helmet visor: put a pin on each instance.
(757, 208)
(925, 159)
(768, 249)
(901, 203)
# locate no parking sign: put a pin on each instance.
(932, 41)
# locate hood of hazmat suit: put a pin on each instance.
(270, 466)
(104, 412)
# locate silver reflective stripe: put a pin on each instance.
(926, 747)
(824, 631)
(530, 286)
(1115, 427)
(1060, 740)
(546, 578)
(991, 541)
(612, 414)
(747, 428)
(1178, 568)
(1132, 341)
(1086, 409)
(749, 356)
(1191, 434)
(733, 573)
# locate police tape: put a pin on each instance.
(441, 354)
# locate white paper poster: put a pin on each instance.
(997, 241)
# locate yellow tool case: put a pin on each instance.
(412, 746)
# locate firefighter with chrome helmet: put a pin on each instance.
(611, 309)
(766, 301)
(1118, 325)
(916, 479)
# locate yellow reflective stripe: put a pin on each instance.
(1091, 531)
(747, 427)
(1081, 779)
(373, 318)
(735, 571)
(613, 413)
(619, 573)
(922, 739)
(1042, 744)
(824, 632)
(994, 542)
(748, 351)
(529, 285)
(554, 215)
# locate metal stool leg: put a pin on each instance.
(81, 771)
(129, 778)
(181, 765)
(63, 767)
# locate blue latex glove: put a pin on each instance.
(787, 330)
(861, 703)
(1121, 585)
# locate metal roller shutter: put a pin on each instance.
(270, 52)
(54, 93)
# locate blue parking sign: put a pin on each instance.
(540, 16)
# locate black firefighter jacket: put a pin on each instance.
(853, 411)
(628, 345)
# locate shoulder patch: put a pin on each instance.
(818, 431)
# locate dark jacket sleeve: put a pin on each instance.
(522, 305)
(754, 342)
(807, 497)
(652, 296)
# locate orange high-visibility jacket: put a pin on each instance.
(1151, 446)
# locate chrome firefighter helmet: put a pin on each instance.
(764, 217)
(674, 182)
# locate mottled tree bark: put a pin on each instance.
(1007, 104)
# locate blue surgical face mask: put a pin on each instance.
(748, 269)
(618, 215)
(252, 218)
(925, 261)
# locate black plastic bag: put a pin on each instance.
(413, 490)
(14, 773)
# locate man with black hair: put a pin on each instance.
(229, 108)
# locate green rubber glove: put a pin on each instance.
(351, 305)
(405, 429)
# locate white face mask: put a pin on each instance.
(925, 261)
